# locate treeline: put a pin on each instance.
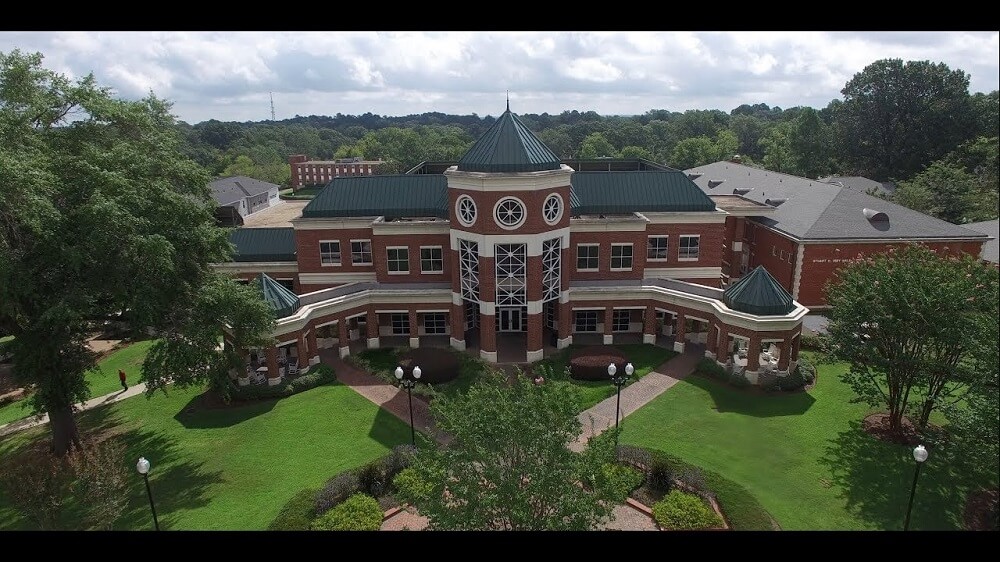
(913, 123)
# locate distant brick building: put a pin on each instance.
(307, 172)
(512, 253)
(803, 230)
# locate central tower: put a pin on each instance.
(509, 209)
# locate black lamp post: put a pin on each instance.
(919, 455)
(407, 383)
(619, 381)
(143, 467)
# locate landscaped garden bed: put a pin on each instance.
(443, 370)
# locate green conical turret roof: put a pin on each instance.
(283, 302)
(758, 293)
(508, 146)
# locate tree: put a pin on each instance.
(898, 116)
(101, 475)
(508, 465)
(693, 152)
(596, 146)
(37, 485)
(777, 149)
(636, 152)
(809, 144)
(915, 327)
(99, 214)
(944, 191)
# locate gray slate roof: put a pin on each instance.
(263, 244)
(991, 249)
(227, 191)
(814, 210)
(862, 184)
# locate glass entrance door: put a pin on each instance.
(510, 319)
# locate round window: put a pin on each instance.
(465, 208)
(552, 208)
(509, 212)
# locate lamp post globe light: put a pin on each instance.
(408, 383)
(619, 381)
(920, 455)
(143, 467)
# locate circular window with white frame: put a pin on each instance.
(465, 209)
(552, 209)
(509, 213)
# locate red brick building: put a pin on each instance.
(803, 230)
(307, 172)
(511, 253)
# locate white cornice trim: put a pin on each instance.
(687, 217)
(257, 267)
(324, 278)
(683, 272)
(630, 223)
(797, 272)
(488, 241)
(508, 181)
(381, 228)
(897, 240)
(332, 223)
(367, 297)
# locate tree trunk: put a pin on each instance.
(925, 414)
(65, 434)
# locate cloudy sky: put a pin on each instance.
(231, 76)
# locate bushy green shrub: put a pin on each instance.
(683, 511)
(398, 458)
(692, 479)
(336, 490)
(768, 380)
(318, 375)
(636, 457)
(712, 367)
(813, 341)
(739, 379)
(411, 486)
(660, 475)
(802, 375)
(297, 514)
(620, 479)
(359, 512)
(371, 478)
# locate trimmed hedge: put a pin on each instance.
(436, 365)
(683, 511)
(297, 514)
(374, 479)
(622, 479)
(359, 512)
(318, 375)
(591, 363)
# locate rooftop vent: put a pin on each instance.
(693, 176)
(774, 202)
(714, 183)
(741, 191)
(875, 216)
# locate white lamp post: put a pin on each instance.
(619, 381)
(920, 455)
(143, 467)
(408, 383)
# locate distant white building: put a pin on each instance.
(243, 194)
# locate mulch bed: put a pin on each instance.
(877, 425)
(981, 509)
(591, 363)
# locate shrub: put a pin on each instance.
(297, 514)
(372, 479)
(660, 475)
(359, 512)
(318, 375)
(813, 341)
(712, 367)
(692, 479)
(411, 486)
(768, 380)
(101, 482)
(739, 379)
(621, 480)
(337, 489)
(398, 458)
(636, 457)
(682, 511)
(591, 363)
(36, 484)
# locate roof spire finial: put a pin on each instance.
(508, 100)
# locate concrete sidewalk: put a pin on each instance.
(34, 421)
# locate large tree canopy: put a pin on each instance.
(99, 214)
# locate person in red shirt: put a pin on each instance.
(121, 377)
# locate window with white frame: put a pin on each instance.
(620, 320)
(468, 262)
(400, 324)
(687, 249)
(465, 207)
(431, 259)
(585, 321)
(329, 252)
(361, 252)
(511, 270)
(509, 212)
(587, 257)
(621, 257)
(656, 247)
(552, 209)
(435, 323)
(551, 254)
(398, 259)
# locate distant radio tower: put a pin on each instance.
(272, 105)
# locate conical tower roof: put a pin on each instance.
(508, 146)
(758, 293)
(283, 302)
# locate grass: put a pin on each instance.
(382, 362)
(804, 455)
(233, 468)
(304, 193)
(644, 357)
(102, 380)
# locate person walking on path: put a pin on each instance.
(121, 377)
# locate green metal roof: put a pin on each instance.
(283, 302)
(758, 293)
(263, 244)
(390, 195)
(508, 146)
(625, 192)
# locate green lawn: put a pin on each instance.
(382, 363)
(644, 357)
(233, 469)
(804, 455)
(103, 380)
